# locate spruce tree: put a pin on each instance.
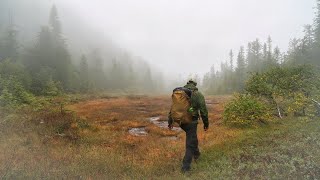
(84, 74)
(9, 44)
(54, 22)
(241, 69)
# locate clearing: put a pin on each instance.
(127, 138)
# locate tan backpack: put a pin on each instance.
(180, 106)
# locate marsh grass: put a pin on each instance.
(91, 141)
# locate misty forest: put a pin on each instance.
(76, 104)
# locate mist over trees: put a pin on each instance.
(48, 57)
(47, 66)
(258, 57)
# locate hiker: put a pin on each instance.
(189, 120)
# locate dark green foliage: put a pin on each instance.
(84, 74)
(287, 88)
(241, 70)
(8, 44)
(245, 111)
(13, 93)
(49, 55)
(280, 90)
(13, 84)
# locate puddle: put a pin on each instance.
(172, 138)
(139, 131)
(162, 124)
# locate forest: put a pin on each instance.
(46, 67)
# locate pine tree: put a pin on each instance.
(317, 24)
(265, 52)
(257, 56)
(250, 61)
(277, 55)
(54, 22)
(97, 76)
(269, 54)
(84, 74)
(50, 54)
(9, 46)
(241, 68)
(231, 60)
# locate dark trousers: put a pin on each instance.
(191, 144)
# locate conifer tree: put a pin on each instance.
(9, 44)
(54, 22)
(241, 68)
(84, 74)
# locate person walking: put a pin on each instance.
(196, 109)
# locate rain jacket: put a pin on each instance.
(198, 104)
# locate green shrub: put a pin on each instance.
(52, 88)
(245, 111)
(288, 89)
(13, 93)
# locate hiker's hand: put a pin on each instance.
(206, 127)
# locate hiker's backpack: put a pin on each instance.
(181, 105)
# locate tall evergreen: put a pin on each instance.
(231, 60)
(241, 69)
(9, 44)
(84, 74)
(54, 22)
(50, 54)
(316, 47)
(269, 52)
(97, 75)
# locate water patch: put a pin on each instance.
(162, 124)
(172, 137)
(139, 131)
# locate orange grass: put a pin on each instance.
(117, 116)
(107, 145)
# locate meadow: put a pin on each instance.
(93, 138)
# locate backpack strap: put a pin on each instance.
(186, 90)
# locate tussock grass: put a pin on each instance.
(91, 141)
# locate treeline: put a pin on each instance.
(258, 57)
(48, 68)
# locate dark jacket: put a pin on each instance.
(198, 104)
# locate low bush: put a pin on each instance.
(13, 93)
(289, 90)
(245, 111)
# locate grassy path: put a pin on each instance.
(285, 150)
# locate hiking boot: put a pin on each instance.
(196, 156)
(185, 170)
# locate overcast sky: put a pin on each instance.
(188, 36)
